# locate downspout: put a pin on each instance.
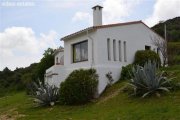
(92, 43)
(92, 62)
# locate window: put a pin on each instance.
(114, 49)
(80, 51)
(147, 47)
(108, 49)
(125, 57)
(120, 58)
(56, 60)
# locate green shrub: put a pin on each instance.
(126, 72)
(176, 59)
(173, 53)
(45, 94)
(175, 83)
(143, 56)
(146, 81)
(79, 87)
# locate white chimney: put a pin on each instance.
(97, 15)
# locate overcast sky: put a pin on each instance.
(28, 27)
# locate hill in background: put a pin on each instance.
(172, 28)
(173, 37)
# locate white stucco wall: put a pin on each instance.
(58, 55)
(135, 35)
(68, 55)
(55, 75)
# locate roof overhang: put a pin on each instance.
(93, 28)
(78, 33)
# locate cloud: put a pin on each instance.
(18, 38)
(79, 16)
(117, 10)
(19, 46)
(113, 11)
(163, 10)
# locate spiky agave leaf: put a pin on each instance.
(147, 81)
(46, 94)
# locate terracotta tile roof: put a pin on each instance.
(105, 26)
(118, 24)
(98, 27)
(78, 32)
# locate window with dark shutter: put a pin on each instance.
(80, 51)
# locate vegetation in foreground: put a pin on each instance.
(45, 94)
(147, 81)
(143, 56)
(113, 104)
(79, 87)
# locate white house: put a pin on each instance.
(104, 47)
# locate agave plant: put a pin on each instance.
(146, 80)
(45, 94)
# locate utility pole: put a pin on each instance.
(165, 36)
(165, 42)
(165, 32)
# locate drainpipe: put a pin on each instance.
(92, 43)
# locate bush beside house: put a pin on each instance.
(126, 72)
(79, 87)
(143, 56)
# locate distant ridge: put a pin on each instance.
(173, 29)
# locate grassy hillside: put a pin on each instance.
(173, 53)
(173, 29)
(112, 105)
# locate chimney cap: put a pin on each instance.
(97, 6)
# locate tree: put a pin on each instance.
(17, 79)
(162, 47)
(173, 29)
(46, 62)
(7, 71)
